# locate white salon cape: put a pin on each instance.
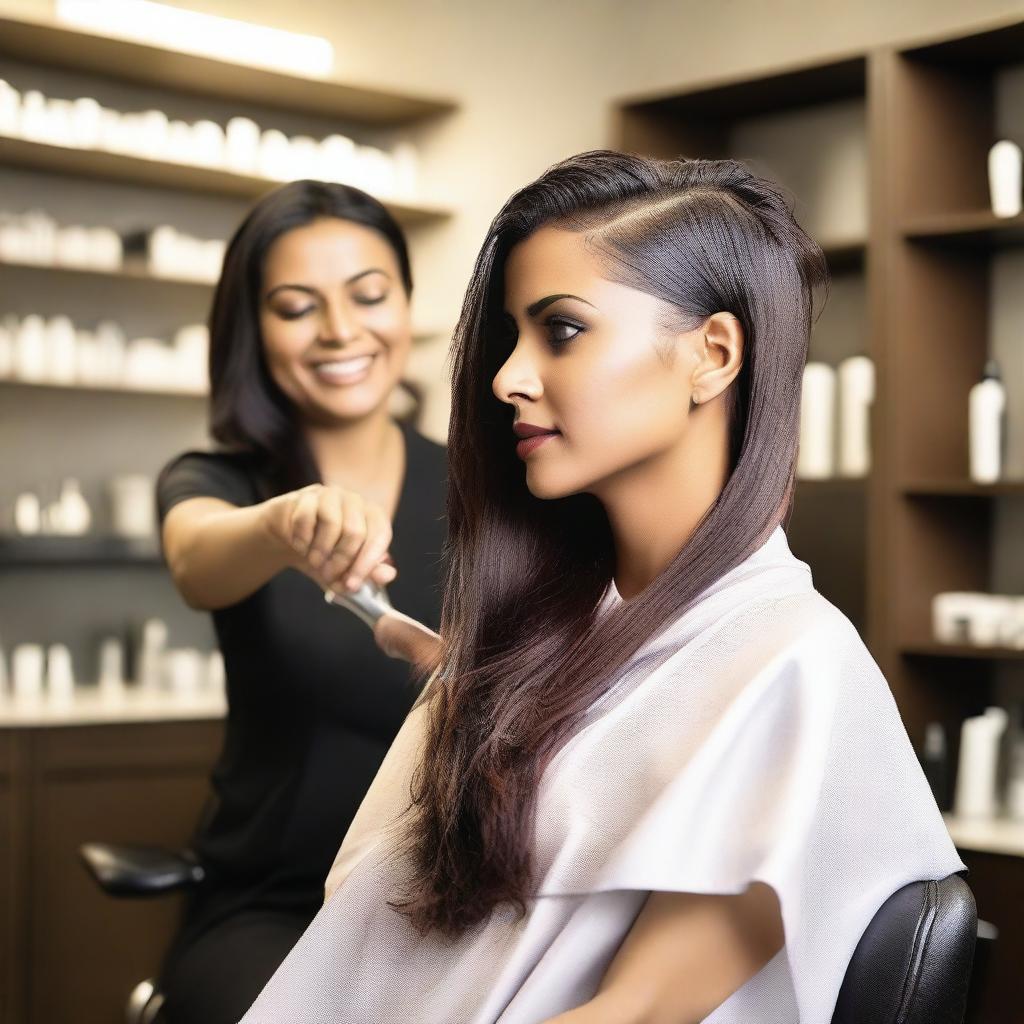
(755, 739)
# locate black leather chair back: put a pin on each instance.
(913, 962)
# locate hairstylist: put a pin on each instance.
(315, 486)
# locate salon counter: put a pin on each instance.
(89, 707)
(131, 770)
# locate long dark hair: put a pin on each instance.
(524, 655)
(248, 411)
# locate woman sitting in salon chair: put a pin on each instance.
(654, 776)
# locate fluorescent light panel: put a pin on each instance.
(206, 35)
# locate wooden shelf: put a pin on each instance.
(67, 551)
(987, 836)
(963, 489)
(842, 484)
(50, 44)
(934, 649)
(845, 256)
(980, 229)
(105, 389)
(999, 42)
(124, 273)
(795, 86)
(92, 163)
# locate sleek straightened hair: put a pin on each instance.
(248, 411)
(525, 653)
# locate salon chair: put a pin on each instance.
(911, 966)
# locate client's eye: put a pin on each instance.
(370, 300)
(562, 331)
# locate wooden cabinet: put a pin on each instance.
(68, 952)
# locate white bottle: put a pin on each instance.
(111, 669)
(75, 514)
(976, 793)
(817, 423)
(986, 408)
(151, 655)
(60, 675)
(1004, 178)
(856, 377)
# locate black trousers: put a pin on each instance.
(216, 978)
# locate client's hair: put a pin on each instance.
(524, 657)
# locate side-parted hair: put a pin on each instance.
(524, 653)
(248, 411)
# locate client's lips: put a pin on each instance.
(531, 437)
(529, 430)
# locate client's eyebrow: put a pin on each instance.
(541, 304)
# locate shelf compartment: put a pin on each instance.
(38, 41)
(93, 163)
(963, 489)
(977, 229)
(16, 551)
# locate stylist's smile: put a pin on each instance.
(531, 437)
(349, 370)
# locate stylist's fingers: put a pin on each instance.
(375, 547)
(350, 539)
(398, 636)
(302, 526)
(330, 519)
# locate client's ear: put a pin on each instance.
(719, 349)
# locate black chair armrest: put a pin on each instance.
(139, 870)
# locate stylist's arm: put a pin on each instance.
(219, 554)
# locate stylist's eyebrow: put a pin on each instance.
(312, 291)
(541, 304)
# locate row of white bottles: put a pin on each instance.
(241, 146)
(35, 350)
(835, 419)
(36, 238)
(46, 672)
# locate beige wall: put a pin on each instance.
(535, 77)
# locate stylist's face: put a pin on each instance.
(335, 319)
(594, 363)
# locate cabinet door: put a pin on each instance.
(138, 783)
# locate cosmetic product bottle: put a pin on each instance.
(28, 514)
(935, 762)
(30, 349)
(856, 379)
(1004, 178)
(6, 353)
(60, 676)
(986, 414)
(60, 350)
(817, 418)
(10, 109)
(976, 778)
(111, 669)
(27, 661)
(242, 145)
(151, 655)
(75, 514)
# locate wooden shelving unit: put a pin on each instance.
(829, 528)
(42, 42)
(923, 526)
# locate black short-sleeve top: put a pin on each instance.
(313, 704)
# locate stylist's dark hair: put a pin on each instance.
(525, 652)
(248, 411)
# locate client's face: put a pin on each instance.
(594, 363)
(334, 318)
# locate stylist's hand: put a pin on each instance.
(334, 536)
(398, 636)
